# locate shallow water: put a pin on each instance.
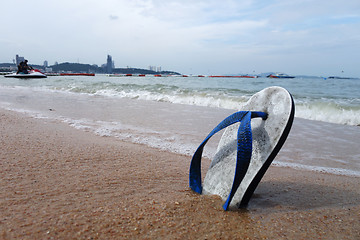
(330, 100)
(180, 128)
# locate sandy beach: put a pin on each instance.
(58, 182)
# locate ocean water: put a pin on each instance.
(176, 113)
(330, 100)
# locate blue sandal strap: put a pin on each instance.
(244, 151)
(243, 154)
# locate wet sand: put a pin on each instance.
(61, 183)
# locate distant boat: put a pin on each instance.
(32, 74)
(335, 77)
(279, 75)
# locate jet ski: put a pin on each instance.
(34, 73)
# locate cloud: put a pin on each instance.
(184, 34)
(113, 17)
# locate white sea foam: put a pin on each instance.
(336, 171)
(155, 139)
(318, 111)
(30, 113)
(205, 100)
(328, 113)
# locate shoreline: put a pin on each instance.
(60, 182)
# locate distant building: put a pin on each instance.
(46, 64)
(109, 64)
(155, 68)
(19, 59)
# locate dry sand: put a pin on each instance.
(61, 183)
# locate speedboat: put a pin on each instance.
(280, 75)
(34, 73)
(336, 77)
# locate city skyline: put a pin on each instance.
(203, 37)
(109, 65)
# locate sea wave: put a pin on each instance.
(329, 112)
(326, 111)
(311, 103)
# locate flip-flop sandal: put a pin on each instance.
(250, 142)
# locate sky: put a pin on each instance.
(297, 37)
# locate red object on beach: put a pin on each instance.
(241, 76)
(248, 76)
(77, 74)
